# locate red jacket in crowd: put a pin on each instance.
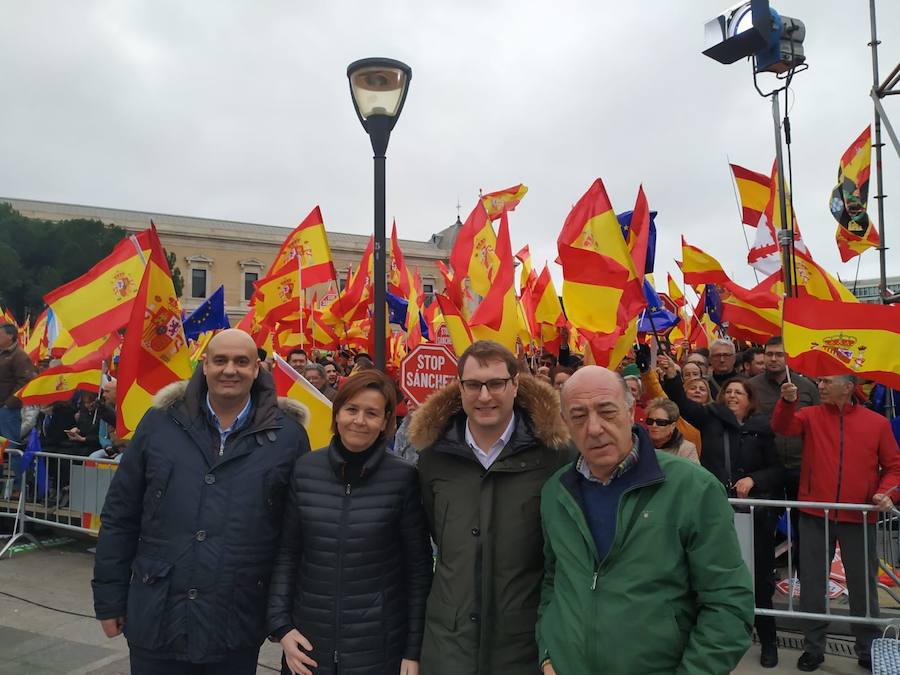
(848, 455)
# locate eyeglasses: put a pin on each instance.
(652, 421)
(494, 386)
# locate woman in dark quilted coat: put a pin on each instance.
(354, 569)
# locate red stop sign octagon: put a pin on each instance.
(426, 369)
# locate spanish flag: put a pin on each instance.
(824, 337)
(155, 352)
(308, 244)
(36, 347)
(399, 279)
(547, 309)
(100, 300)
(291, 384)
(813, 281)
(474, 252)
(699, 267)
(278, 295)
(502, 201)
(352, 303)
(460, 334)
(601, 289)
(675, 293)
(59, 383)
(753, 188)
(855, 232)
(260, 332)
(94, 353)
(497, 316)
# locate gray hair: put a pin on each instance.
(310, 365)
(636, 379)
(11, 330)
(849, 378)
(723, 343)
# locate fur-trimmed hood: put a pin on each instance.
(538, 399)
(263, 389)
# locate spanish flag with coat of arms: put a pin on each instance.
(155, 352)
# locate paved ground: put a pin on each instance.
(38, 640)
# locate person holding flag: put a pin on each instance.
(191, 523)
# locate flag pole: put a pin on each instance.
(737, 201)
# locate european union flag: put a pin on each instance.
(714, 304)
(655, 316)
(624, 219)
(208, 316)
(397, 308)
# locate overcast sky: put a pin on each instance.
(241, 111)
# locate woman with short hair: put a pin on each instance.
(661, 421)
(354, 569)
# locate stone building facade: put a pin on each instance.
(211, 253)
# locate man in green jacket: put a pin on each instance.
(643, 573)
(489, 443)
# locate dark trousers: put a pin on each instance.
(813, 577)
(764, 522)
(238, 663)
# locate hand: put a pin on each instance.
(408, 667)
(642, 358)
(297, 659)
(113, 627)
(665, 362)
(789, 392)
(743, 487)
(882, 502)
(548, 669)
(564, 334)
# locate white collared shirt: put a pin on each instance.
(487, 457)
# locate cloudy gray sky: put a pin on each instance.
(241, 110)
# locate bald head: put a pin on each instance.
(595, 378)
(231, 338)
(230, 365)
(597, 408)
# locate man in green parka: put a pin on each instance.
(488, 444)
(643, 573)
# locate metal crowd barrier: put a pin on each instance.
(60, 491)
(887, 533)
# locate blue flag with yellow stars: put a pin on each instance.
(208, 316)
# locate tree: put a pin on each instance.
(37, 255)
(177, 279)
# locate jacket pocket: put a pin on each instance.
(275, 489)
(156, 490)
(247, 614)
(440, 614)
(147, 597)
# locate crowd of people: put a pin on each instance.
(536, 514)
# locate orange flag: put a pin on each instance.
(155, 352)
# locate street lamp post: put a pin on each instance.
(378, 88)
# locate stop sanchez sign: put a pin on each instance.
(426, 369)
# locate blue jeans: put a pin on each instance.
(11, 428)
